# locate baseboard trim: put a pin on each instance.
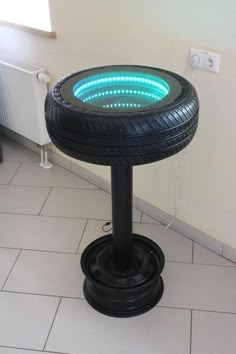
(181, 227)
(178, 225)
(19, 139)
(229, 253)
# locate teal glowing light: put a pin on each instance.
(121, 90)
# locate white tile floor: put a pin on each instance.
(47, 217)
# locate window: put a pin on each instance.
(26, 13)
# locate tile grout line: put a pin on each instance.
(52, 323)
(83, 299)
(50, 190)
(11, 270)
(37, 294)
(192, 309)
(84, 218)
(73, 253)
(35, 250)
(40, 187)
(70, 188)
(77, 250)
(202, 264)
(9, 183)
(46, 216)
(33, 350)
(73, 217)
(191, 331)
(158, 306)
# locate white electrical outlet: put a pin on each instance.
(205, 60)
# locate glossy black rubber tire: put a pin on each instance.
(134, 139)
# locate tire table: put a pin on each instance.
(122, 116)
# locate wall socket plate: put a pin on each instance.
(205, 60)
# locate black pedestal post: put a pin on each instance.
(123, 269)
(122, 212)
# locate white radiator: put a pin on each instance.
(23, 88)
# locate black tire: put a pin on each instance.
(130, 138)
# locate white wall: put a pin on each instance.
(159, 33)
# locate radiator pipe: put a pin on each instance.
(43, 77)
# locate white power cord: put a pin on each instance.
(195, 63)
(178, 178)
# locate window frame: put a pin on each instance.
(48, 34)
(25, 28)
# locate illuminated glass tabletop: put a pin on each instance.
(121, 89)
